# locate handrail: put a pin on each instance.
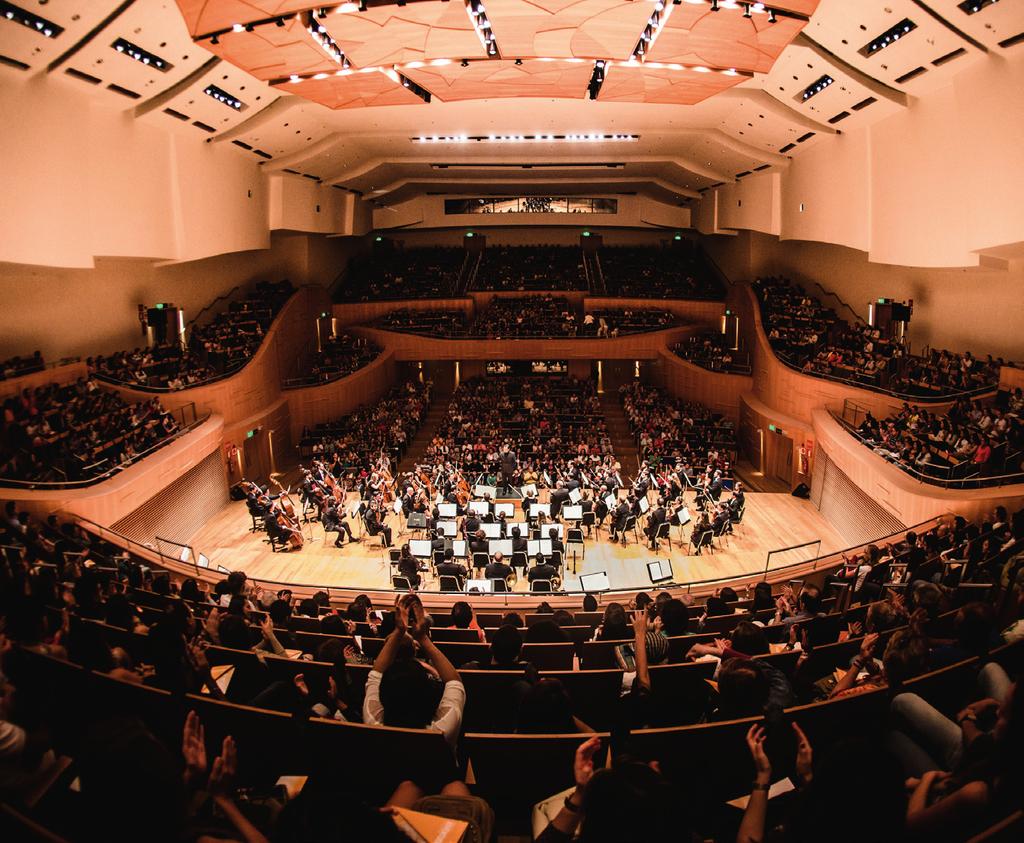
(819, 563)
(974, 481)
(13, 483)
(836, 296)
(221, 297)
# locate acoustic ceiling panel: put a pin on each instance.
(354, 89)
(693, 34)
(645, 83)
(273, 52)
(503, 78)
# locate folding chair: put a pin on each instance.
(519, 559)
(394, 554)
(401, 583)
(448, 582)
(573, 537)
(664, 532)
(703, 540)
(630, 526)
(590, 521)
(541, 587)
(481, 560)
(500, 586)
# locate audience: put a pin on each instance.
(614, 323)
(213, 350)
(972, 439)
(339, 356)
(393, 273)
(530, 268)
(711, 351)
(812, 338)
(657, 273)
(15, 367)
(77, 431)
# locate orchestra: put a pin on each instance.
(499, 505)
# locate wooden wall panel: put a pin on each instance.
(851, 510)
(181, 508)
(717, 390)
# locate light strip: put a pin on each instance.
(592, 137)
(478, 17)
(318, 32)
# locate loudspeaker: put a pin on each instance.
(237, 492)
(802, 491)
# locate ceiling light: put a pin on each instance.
(771, 16)
(746, 10)
(887, 38)
(143, 56)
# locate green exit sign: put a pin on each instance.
(249, 434)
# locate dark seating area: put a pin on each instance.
(615, 323)
(711, 351)
(530, 268)
(392, 273)
(438, 323)
(527, 316)
(339, 356)
(649, 272)
(15, 367)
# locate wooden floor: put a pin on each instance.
(772, 521)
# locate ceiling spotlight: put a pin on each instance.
(464, 63)
(214, 40)
(519, 62)
(714, 5)
(249, 27)
(279, 21)
(746, 10)
(771, 16)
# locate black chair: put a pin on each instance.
(449, 582)
(401, 583)
(574, 536)
(541, 587)
(519, 559)
(703, 540)
(630, 526)
(664, 532)
(481, 560)
(589, 521)
(500, 586)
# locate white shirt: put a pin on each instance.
(447, 719)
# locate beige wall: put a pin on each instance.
(935, 185)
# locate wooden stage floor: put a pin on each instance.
(771, 521)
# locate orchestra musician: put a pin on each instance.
(618, 517)
(375, 524)
(334, 522)
(498, 569)
(655, 518)
(450, 568)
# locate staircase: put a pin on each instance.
(435, 414)
(623, 440)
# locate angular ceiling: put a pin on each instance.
(708, 97)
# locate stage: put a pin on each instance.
(772, 521)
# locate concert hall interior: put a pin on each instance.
(510, 420)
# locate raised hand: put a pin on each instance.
(225, 766)
(867, 646)
(583, 763)
(401, 619)
(755, 743)
(300, 683)
(193, 748)
(804, 755)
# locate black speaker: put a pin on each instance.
(237, 492)
(802, 491)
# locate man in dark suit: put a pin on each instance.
(618, 517)
(436, 542)
(471, 524)
(478, 544)
(556, 543)
(375, 524)
(498, 569)
(559, 497)
(654, 520)
(518, 542)
(544, 570)
(450, 568)
(334, 523)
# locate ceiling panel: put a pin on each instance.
(990, 25)
(31, 47)
(205, 16)
(273, 52)
(197, 107)
(503, 78)
(693, 34)
(352, 89)
(844, 28)
(387, 35)
(645, 83)
(146, 25)
(799, 67)
(594, 29)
